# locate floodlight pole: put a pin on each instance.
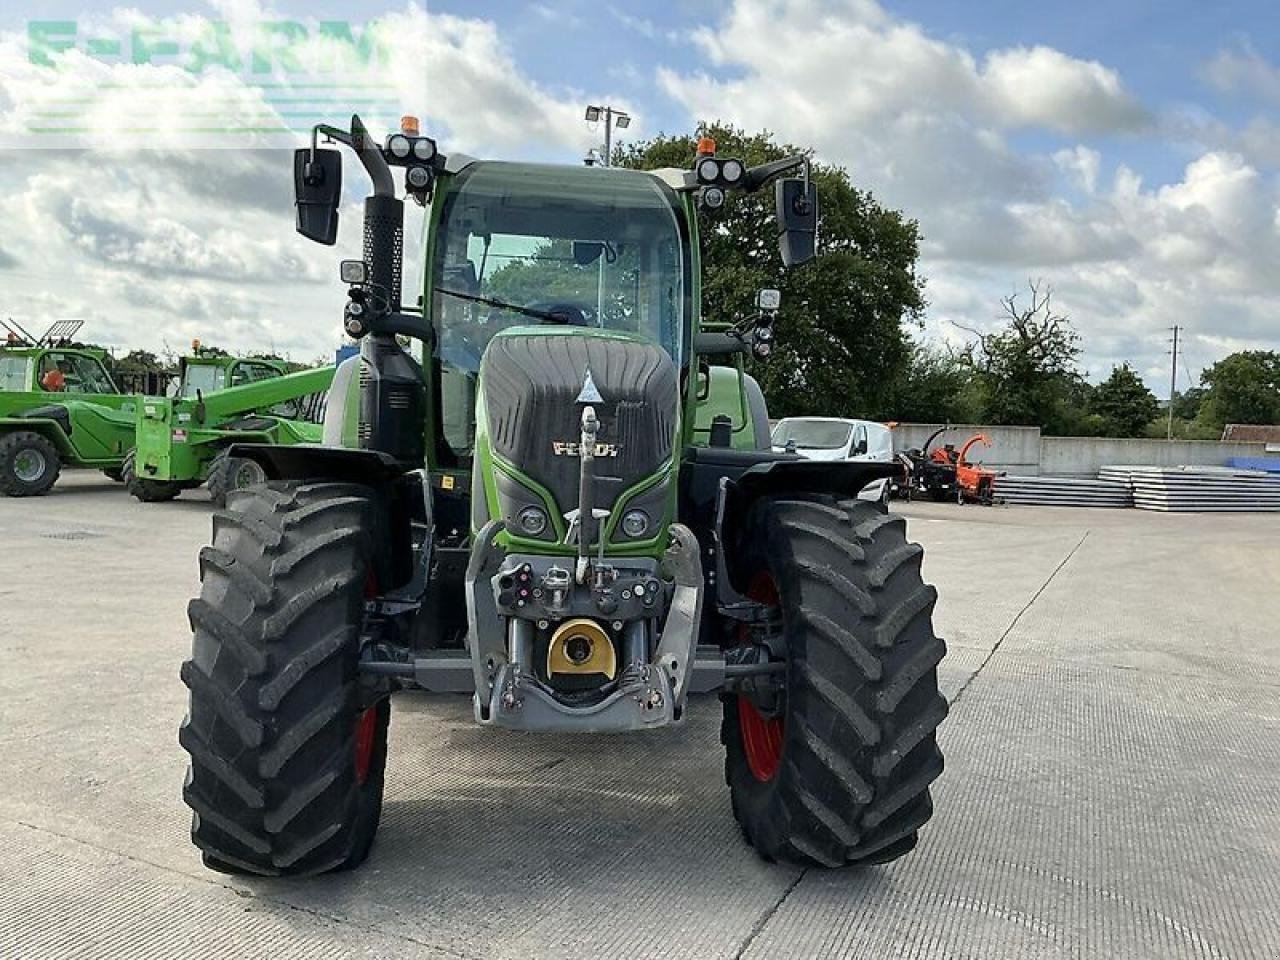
(1173, 380)
(611, 116)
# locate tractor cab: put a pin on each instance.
(530, 252)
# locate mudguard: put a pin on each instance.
(719, 486)
(307, 462)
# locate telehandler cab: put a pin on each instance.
(524, 517)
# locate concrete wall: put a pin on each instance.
(1082, 456)
(1013, 449)
(1021, 450)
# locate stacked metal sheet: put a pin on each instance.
(1063, 492)
(1199, 489)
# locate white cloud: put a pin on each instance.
(928, 127)
(1082, 164)
(1243, 70)
(132, 224)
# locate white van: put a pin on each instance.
(833, 438)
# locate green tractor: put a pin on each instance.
(530, 516)
(58, 405)
(184, 441)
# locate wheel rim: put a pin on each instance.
(247, 474)
(29, 465)
(366, 727)
(761, 736)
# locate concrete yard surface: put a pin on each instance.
(1112, 785)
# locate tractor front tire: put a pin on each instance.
(148, 491)
(29, 464)
(227, 473)
(287, 764)
(835, 769)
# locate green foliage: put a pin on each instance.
(1187, 403)
(140, 361)
(1026, 372)
(1123, 403)
(841, 348)
(1242, 388)
(937, 387)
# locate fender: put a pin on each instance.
(719, 486)
(305, 462)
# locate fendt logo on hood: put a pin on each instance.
(571, 448)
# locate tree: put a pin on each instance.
(1186, 403)
(841, 347)
(1124, 403)
(937, 387)
(1242, 388)
(1026, 372)
(140, 361)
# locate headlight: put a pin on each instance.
(424, 149)
(533, 521)
(731, 170)
(418, 177)
(708, 170)
(635, 524)
(399, 146)
(712, 198)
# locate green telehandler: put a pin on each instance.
(184, 441)
(58, 405)
(529, 516)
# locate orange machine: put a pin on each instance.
(974, 483)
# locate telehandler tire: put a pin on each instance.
(835, 768)
(148, 491)
(287, 765)
(29, 464)
(227, 473)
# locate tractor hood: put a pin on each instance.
(535, 384)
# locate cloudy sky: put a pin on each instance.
(1126, 152)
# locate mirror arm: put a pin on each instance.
(370, 154)
(758, 176)
(405, 324)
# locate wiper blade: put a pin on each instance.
(501, 305)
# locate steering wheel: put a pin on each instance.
(567, 313)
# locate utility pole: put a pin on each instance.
(1173, 379)
(612, 117)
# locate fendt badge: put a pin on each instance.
(570, 448)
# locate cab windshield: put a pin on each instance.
(527, 244)
(202, 377)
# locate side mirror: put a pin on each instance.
(860, 449)
(317, 188)
(796, 201)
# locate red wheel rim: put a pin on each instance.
(761, 735)
(366, 727)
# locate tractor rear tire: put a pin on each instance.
(29, 464)
(148, 491)
(838, 772)
(287, 764)
(227, 473)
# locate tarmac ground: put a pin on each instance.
(1112, 785)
